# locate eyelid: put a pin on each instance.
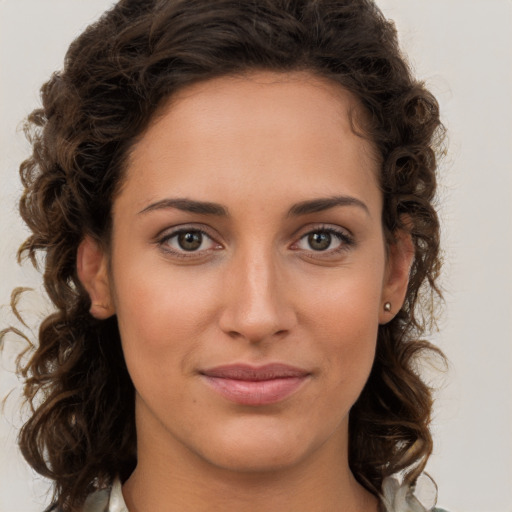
(168, 233)
(342, 234)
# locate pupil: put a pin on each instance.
(319, 241)
(190, 241)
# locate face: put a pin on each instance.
(248, 271)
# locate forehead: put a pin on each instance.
(282, 130)
(205, 105)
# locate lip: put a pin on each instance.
(255, 385)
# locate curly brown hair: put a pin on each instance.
(117, 73)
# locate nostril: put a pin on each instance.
(237, 335)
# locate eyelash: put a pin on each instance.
(163, 241)
(346, 242)
(345, 239)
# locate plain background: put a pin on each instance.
(463, 50)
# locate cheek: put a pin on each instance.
(161, 314)
(346, 300)
(343, 316)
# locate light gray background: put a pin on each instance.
(463, 49)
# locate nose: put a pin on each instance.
(256, 306)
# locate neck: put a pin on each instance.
(284, 491)
(169, 477)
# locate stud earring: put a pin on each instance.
(387, 306)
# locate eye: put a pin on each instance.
(187, 240)
(328, 240)
(320, 240)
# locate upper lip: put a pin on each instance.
(255, 373)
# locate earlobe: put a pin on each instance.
(92, 268)
(400, 259)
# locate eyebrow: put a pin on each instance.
(325, 203)
(302, 208)
(188, 205)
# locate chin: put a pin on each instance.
(261, 449)
(253, 460)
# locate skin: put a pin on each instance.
(256, 291)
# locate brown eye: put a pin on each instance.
(188, 243)
(190, 240)
(319, 240)
(324, 242)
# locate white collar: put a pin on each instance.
(107, 500)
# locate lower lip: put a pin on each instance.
(262, 392)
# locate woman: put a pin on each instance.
(234, 200)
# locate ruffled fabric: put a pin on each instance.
(399, 497)
(107, 500)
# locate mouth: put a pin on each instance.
(250, 385)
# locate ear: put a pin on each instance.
(92, 267)
(396, 279)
